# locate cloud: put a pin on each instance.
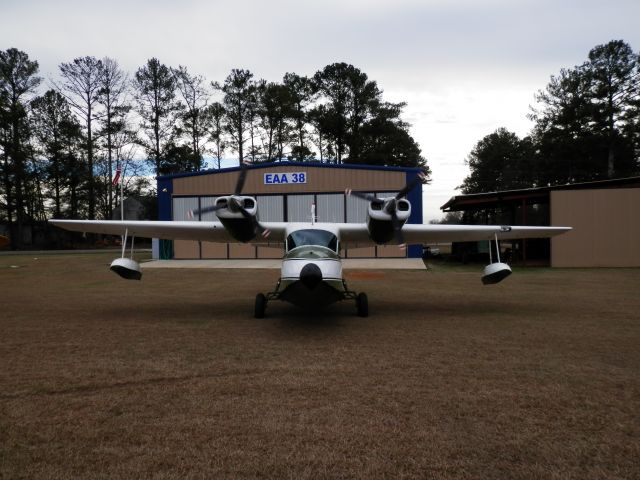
(464, 67)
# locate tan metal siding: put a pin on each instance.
(242, 250)
(214, 250)
(186, 249)
(364, 252)
(606, 228)
(269, 252)
(393, 251)
(318, 180)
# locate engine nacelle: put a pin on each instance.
(379, 221)
(240, 226)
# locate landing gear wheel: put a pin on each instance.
(260, 306)
(362, 305)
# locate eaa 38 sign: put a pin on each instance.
(281, 178)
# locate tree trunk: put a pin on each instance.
(109, 161)
(92, 200)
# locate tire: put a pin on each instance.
(260, 306)
(362, 305)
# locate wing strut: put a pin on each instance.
(127, 268)
(495, 272)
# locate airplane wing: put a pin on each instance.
(356, 235)
(169, 230)
(352, 235)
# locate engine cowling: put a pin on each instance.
(240, 224)
(380, 218)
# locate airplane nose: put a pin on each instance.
(310, 275)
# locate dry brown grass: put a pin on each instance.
(171, 377)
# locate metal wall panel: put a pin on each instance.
(271, 208)
(356, 209)
(390, 251)
(299, 208)
(242, 250)
(208, 216)
(606, 228)
(386, 194)
(363, 252)
(182, 206)
(186, 249)
(330, 207)
(213, 250)
(268, 252)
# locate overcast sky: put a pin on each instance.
(464, 67)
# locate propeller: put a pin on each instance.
(235, 205)
(390, 205)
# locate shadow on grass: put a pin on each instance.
(296, 318)
(203, 312)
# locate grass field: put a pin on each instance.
(171, 377)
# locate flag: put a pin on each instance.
(116, 177)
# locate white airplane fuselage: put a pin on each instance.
(311, 274)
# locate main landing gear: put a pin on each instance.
(362, 305)
(260, 305)
(361, 301)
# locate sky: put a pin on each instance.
(464, 67)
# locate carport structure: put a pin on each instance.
(605, 216)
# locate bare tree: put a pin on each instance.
(112, 96)
(81, 85)
(195, 118)
(217, 114)
(302, 91)
(239, 96)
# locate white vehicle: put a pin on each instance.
(311, 274)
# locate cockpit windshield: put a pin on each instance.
(313, 237)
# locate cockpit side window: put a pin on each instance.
(321, 238)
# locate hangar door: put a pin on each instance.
(330, 207)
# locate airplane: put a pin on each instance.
(311, 273)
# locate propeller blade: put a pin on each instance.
(365, 196)
(241, 179)
(258, 229)
(244, 213)
(200, 211)
(265, 232)
(411, 185)
(397, 228)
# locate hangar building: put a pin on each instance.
(605, 216)
(284, 198)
